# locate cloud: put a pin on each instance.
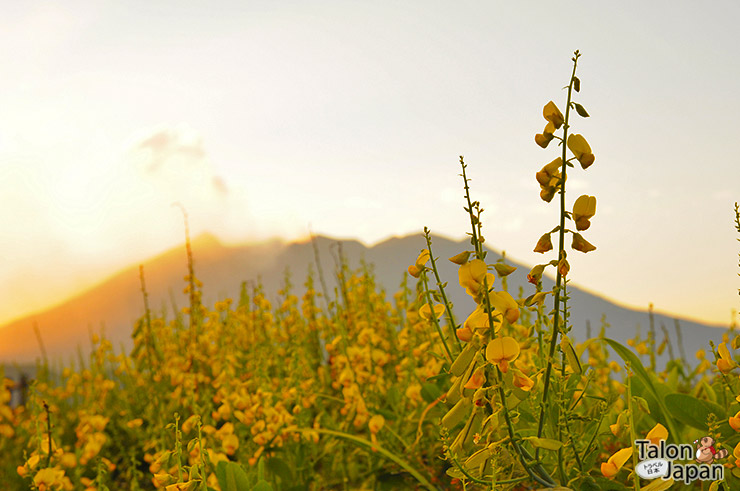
(175, 158)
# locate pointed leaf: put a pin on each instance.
(639, 370)
(231, 476)
(581, 111)
(261, 485)
(693, 412)
(545, 443)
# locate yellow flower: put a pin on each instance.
(553, 114)
(522, 381)
(135, 423)
(543, 139)
(735, 421)
(618, 428)
(230, 444)
(657, 434)
(68, 460)
(426, 313)
(611, 467)
(505, 303)
(549, 179)
(502, 351)
(701, 354)
(375, 424)
(464, 334)
(416, 268)
(725, 362)
(478, 319)
(477, 379)
(581, 244)
(736, 454)
(471, 275)
(583, 210)
(48, 478)
(581, 149)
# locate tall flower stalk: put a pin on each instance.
(552, 180)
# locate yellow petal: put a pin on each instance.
(422, 259)
(542, 140)
(505, 303)
(522, 381)
(477, 379)
(578, 145)
(553, 114)
(500, 349)
(376, 423)
(620, 457)
(585, 206)
(426, 313)
(608, 469)
(553, 167)
(614, 429)
(735, 422)
(659, 432)
(724, 353)
(464, 334)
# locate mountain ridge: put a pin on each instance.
(116, 302)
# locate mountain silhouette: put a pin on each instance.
(115, 304)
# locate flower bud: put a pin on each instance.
(581, 244)
(535, 275)
(563, 267)
(544, 244)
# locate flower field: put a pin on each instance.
(356, 389)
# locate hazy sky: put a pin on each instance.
(265, 118)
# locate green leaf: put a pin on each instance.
(589, 484)
(280, 469)
(609, 485)
(693, 412)
(639, 370)
(381, 451)
(430, 392)
(231, 477)
(261, 485)
(576, 84)
(581, 111)
(545, 443)
(570, 355)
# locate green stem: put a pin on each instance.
(561, 254)
(440, 286)
(541, 476)
(633, 436)
(433, 315)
